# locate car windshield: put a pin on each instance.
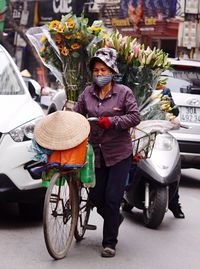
(10, 85)
(189, 73)
(185, 70)
(175, 84)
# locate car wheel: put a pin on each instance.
(33, 211)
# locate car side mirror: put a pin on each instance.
(33, 91)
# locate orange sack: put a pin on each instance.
(71, 156)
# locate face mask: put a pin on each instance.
(102, 80)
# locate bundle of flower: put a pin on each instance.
(161, 107)
(65, 47)
(140, 68)
(62, 46)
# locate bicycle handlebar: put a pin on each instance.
(92, 119)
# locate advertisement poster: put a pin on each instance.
(151, 8)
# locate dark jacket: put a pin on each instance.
(121, 108)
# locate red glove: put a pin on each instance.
(104, 123)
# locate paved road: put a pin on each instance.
(175, 245)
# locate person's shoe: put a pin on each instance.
(108, 252)
(177, 212)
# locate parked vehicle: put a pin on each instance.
(153, 181)
(57, 102)
(187, 98)
(19, 113)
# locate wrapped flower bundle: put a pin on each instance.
(62, 46)
(66, 46)
(140, 68)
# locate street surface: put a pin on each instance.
(175, 245)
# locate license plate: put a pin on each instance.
(190, 114)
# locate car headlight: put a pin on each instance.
(24, 132)
(163, 142)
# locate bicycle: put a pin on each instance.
(66, 211)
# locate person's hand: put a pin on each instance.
(104, 123)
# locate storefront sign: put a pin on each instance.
(62, 6)
(54, 9)
(24, 12)
(120, 22)
(149, 21)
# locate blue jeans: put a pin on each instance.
(107, 196)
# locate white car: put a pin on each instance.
(19, 113)
(185, 76)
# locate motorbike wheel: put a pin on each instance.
(154, 215)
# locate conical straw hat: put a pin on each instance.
(61, 130)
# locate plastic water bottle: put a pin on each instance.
(87, 174)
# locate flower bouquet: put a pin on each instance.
(62, 46)
(139, 68)
(66, 46)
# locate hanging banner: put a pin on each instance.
(159, 8)
(180, 8)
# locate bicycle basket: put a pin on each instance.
(143, 145)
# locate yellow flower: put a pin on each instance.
(43, 39)
(60, 46)
(68, 36)
(78, 35)
(53, 24)
(95, 29)
(42, 49)
(75, 46)
(64, 51)
(60, 27)
(70, 23)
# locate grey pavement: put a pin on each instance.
(175, 245)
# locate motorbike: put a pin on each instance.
(154, 177)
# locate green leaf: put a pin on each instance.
(75, 54)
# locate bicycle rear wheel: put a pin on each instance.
(60, 214)
(83, 215)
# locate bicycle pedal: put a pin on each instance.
(91, 227)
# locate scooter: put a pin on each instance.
(154, 179)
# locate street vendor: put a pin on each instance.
(115, 107)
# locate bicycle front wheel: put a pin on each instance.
(60, 214)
